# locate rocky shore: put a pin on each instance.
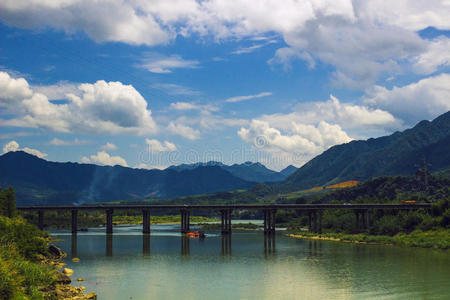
(63, 289)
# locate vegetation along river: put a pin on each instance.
(167, 266)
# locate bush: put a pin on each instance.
(411, 220)
(29, 239)
(445, 222)
(387, 225)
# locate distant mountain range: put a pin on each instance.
(249, 171)
(401, 153)
(38, 181)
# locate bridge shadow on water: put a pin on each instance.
(269, 249)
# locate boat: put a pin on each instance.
(196, 234)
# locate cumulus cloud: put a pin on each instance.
(12, 90)
(347, 115)
(437, 55)
(57, 91)
(99, 108)
(244, 98)
(158, 63)
(14, 146)
(104, 159)
(75, 141)
(425, 99)
(156, 146)
(183, 130)
(301, 142)
(101, 20)
(108, 147)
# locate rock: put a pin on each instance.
(62, 278)
(75, 259)
(91, 295)
(55, 251)
(80, 279)
(67, 271)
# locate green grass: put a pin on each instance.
(22, 275)
(437, 239)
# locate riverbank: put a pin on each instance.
(30, 265)
(436, 239)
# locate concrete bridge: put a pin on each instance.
(269, 210)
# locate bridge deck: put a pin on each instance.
(237, 206)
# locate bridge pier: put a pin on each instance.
(315, 221)
(269, 221)
(109, 223)
(145, 221)
(357, 220)
(185, 225)
(41, 219)
(225, 221)
(74, 221)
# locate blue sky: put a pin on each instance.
(153, 84)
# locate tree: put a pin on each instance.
(7, 202)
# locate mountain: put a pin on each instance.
(248, 171)
(37, 181)
(398, 154)
(289, 170)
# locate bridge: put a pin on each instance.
(362, 213)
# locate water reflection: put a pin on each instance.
(109, 245)
(146, 244)
(74, 245)
(269, 245)
(185, 248)
(226, 245)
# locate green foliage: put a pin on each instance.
(7, 202)
(29, 239)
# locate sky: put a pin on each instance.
(149, 84)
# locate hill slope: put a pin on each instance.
(38, 181)
(396, 154)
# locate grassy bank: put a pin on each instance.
(238, 226)
(169, 219)
(437, 239)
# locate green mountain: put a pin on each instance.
(37, 181)
(398, 154)
(249, 171)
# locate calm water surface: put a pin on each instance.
(248, 266)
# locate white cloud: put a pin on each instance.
(57, 91)
(108, 147)
(300, 142)
(244, 98)
(14, 146)
(192, 106)
(425, 99)
(176, 89)
(347, 115)
(361, 39)
(151, 167)
(12, 90)
(101, 20)
(158, 63)
(103, 158)
(437, 55)
(156, 146)
(183, 130)
(102, 107)
(75, 141)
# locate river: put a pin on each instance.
(248, 266)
